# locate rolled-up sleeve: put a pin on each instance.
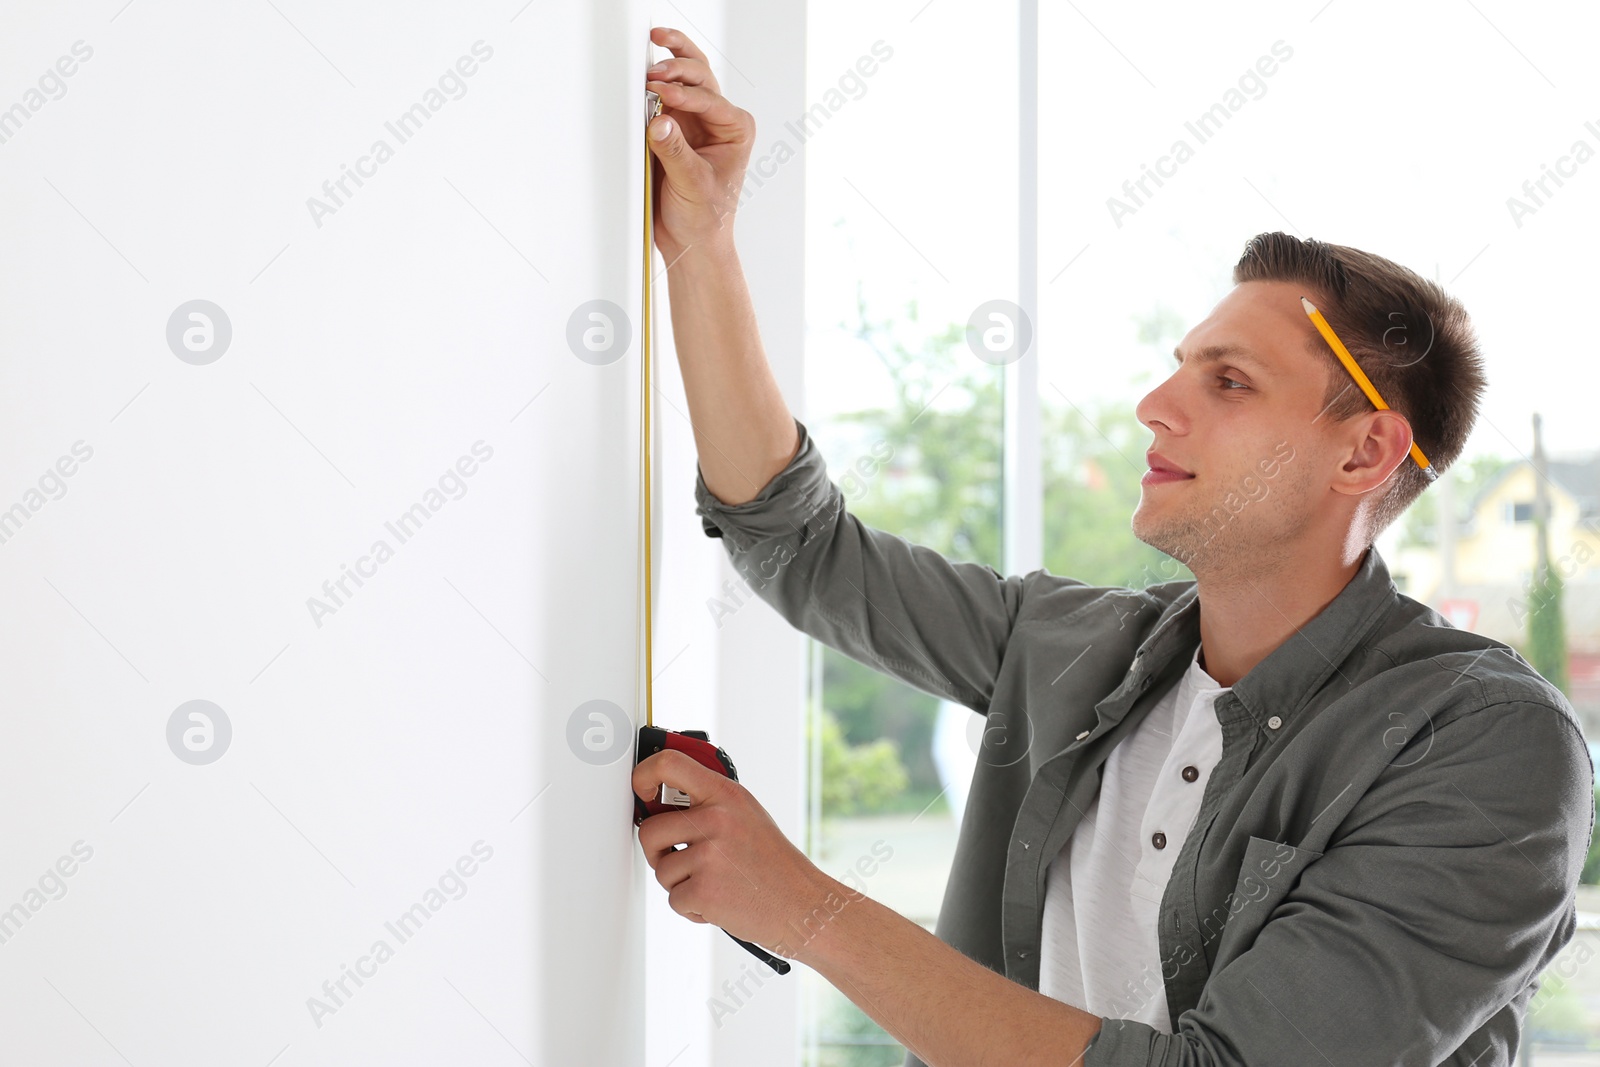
(1444, 891)
(901, 608)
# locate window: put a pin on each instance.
(909, 229)
(1303, 123)
(1140, 237)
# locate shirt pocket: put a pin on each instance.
(1267, 873)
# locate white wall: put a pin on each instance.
(418, 719)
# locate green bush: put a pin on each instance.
(856, 778)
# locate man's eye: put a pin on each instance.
(1225, 379)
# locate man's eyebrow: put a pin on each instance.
(1237, 353)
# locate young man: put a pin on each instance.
(1281, 814)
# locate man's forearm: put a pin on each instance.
(743, 430)
(947, 1008)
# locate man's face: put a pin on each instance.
(1248, 425)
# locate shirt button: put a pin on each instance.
(1191, 773)
(1083, 735)
(1158, 839)
(1274, 722)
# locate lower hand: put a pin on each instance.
(739, 871)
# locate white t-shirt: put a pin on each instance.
(1100, 950)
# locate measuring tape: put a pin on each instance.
(651, 110)
(651, 740)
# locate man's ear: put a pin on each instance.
(1381, 442)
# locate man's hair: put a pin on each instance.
(1414, 341)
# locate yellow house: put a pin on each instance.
(1492, 559)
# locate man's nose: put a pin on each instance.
(1162, 407)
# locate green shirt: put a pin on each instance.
(1386, 854)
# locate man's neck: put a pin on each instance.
(1244, 616)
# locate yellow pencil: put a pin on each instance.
(1361, 379)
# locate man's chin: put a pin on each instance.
(1147, 529)
(1163, 535)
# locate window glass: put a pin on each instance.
(1459, 142)
(911, 226)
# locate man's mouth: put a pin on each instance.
(1157, 461)
(1163, 470)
